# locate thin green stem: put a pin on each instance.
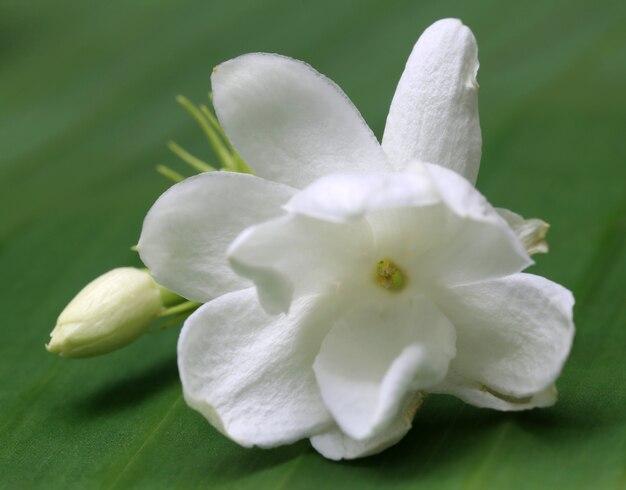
(171, 174)
(216, 143)
(191, 160)
(180, 308)
(216, 125)
(171, 321)
(240, 165)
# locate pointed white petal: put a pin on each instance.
(434, 112)
(480, 395)
(290, 123)
(531, 232)
(249, 373)
(513, 334)
(295, 255)
(378, 354)
(187, 231)
(334, 444)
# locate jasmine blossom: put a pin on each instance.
(347, 278)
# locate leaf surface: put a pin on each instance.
(87, 107)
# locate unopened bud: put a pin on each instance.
(531, 232)
(109, 313)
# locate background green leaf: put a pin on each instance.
(87, 106)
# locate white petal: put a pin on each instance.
(428, 218)
(377, 355)
(342, 197)
(480, 395)
(250, 374)
(334, 444)
(476, 244)
(187, 231)
(513, 334)
(434, 112)
(290, 123)
(296, 255)
(531, 232)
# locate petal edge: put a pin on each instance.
(290, 123)
(187, 231)
(257, 385)
(434, 112)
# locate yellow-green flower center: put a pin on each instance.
(389, 276)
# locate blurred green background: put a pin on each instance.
(87, 105)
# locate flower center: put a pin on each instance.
(389, 276)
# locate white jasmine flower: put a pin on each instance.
(110, 312)
(357, 277)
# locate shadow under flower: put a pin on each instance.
(237, 463)
(446, 430)
(446, 433)
(132, 390)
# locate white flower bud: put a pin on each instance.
(531, 232)
(109, 313)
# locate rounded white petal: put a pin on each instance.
(251, 374)
(288, 122)
(187, 231)
(429, 218)
(482, 396)
(341, 197)
(434, 112)
(476, 243)
(295, 255)
(378, 354)
(513, 334)
(334, 444)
